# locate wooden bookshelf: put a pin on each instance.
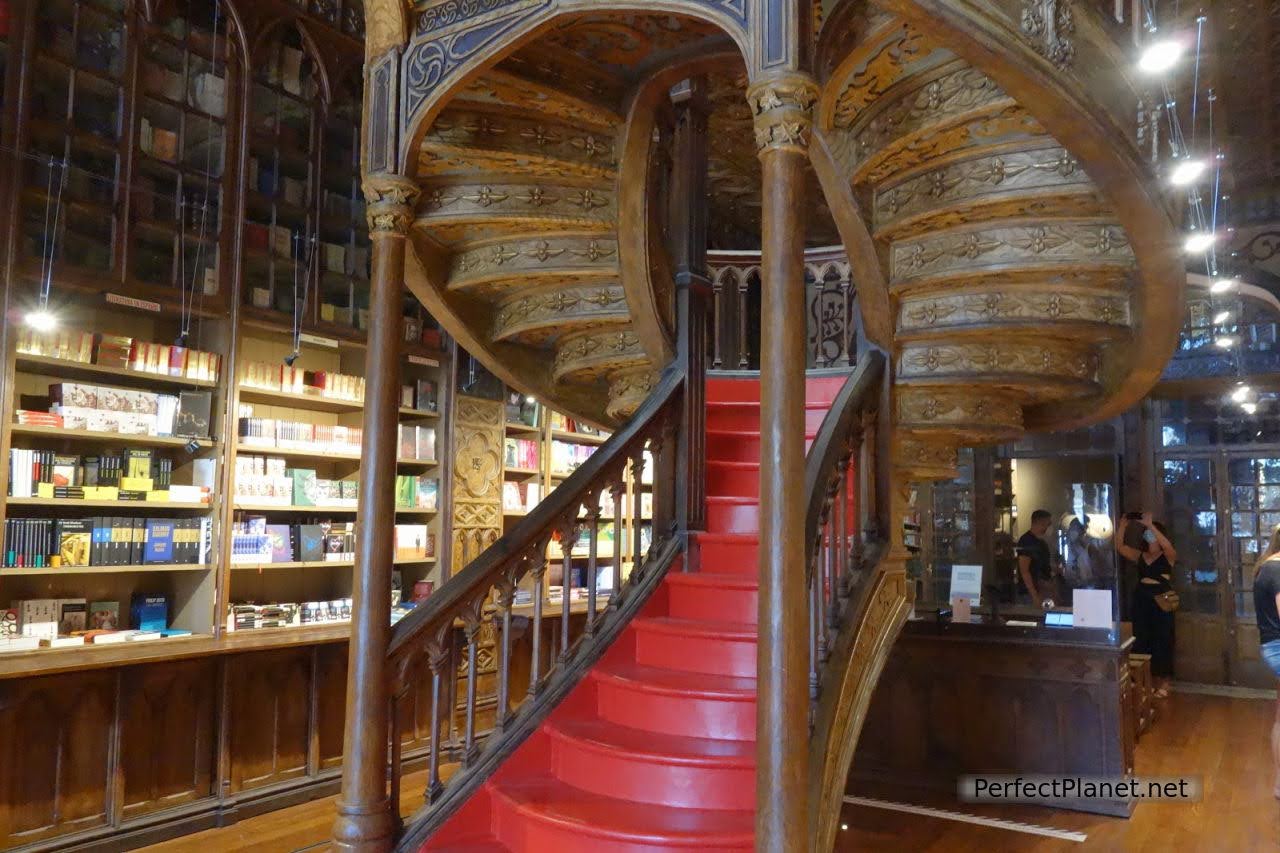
(108, 437)
(318, 564)
(310, 402)
(96, 372)
(104, 570)
(126, 507)
(297, 453)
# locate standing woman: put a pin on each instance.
(1266, 606)
(1152, 624)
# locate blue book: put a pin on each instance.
(159, 542)
(150, 612)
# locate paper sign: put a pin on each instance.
(966, 582)
(960, 610)
(1091, 608)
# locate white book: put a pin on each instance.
(19, 644)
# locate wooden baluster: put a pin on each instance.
(439, 654)
(815, 625)
(717, 318)
(394, 754)
(637, 475)
(593, 522)
(568, 536)
(471, 627)
(822, 574)
(506, 598)
(840, 567)
(619, 491)
(539, 572)
(742, 321)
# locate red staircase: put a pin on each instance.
(656, 748)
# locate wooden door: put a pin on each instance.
(1254, 482)
(1189, 495)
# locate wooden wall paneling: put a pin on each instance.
(269, 726)
(167, 735)
(331, 702)
(55, 746)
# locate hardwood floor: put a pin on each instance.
(1222, 739)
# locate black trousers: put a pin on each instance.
(1153, 629)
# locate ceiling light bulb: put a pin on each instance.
(1222, 285)
(1160, 56)
(1199, 241)
(1225, 342)
(531, 400)
(42, 320)
(1240, 394)
(1221, 317)
(1186, 172)
(1249, 408)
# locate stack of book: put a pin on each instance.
(417, 442)
(520, 497)
(567, 456)
(132, 474)
(520, 453)
(61, 622)
(269, 432)
(98, 408)
(256, 542)
(249, 617)
(293, 380)
(421, 395)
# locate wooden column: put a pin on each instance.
(366, 818)
(782, 107)
(688, 218)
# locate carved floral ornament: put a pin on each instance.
(1012, 305)
(391, 200)
(782, 111)
(929, 407)
(1051, 358)
(1048, 25)
(1052, 242)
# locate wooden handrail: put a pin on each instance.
(438, 645)
(484, 569)
(859, 393)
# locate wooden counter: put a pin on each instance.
(961, 699)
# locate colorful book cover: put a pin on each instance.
(75, 539)
(281, 547)
(158, 546)
(104, 615)
(150, 612)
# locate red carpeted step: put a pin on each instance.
(713, 596)
(696, 645)
(677, 703)
(666, 770)
(733, 478)
(730, 553)
(480, 844)
(733, 445)
(545, 814)
(731, 514)
(732, 415)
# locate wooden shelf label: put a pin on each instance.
(316, 340)
(131, 302)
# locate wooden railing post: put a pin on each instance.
(782, 106)
(365, 820)
(693, 293)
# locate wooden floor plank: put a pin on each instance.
(1223, 739)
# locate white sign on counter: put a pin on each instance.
(966, 582)
(1091, 608)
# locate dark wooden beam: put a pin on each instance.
(782, 107)
(365, 820)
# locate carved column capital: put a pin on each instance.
(391, 199)
(782, 109)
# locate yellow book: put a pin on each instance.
(158, 496)
(137, 484)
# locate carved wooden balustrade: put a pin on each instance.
(833, 332)
(443, 634)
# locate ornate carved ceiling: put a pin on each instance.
(733, 188)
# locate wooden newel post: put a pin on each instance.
(366, 819)
(782, 106)
(688, 218)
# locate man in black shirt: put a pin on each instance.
(1034, 565)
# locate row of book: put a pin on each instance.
(294, 380)
(567, 456)
(520, 497)
(254, 541)
(421, 395)
(417, 492)
(98, 408)
(105, 541)
(251, 617)
(298, 435)
(521, 453)
(58, 622)
(120, 351)
(564, 423)
(129, 475)
(206, 92)
(267, 480)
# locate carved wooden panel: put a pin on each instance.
(167, 737)
(331, 702)
(55, 745)
(269, 702)
(477, 477)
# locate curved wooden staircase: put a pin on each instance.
(1013, 260)
(656, 749)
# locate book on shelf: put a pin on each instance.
(414, 542)
(311, 543)
(73, 615)
(520, 497)
(149, 612)
(521, 453)
(104, 615)
(417, 492)
(521, 409)
(425, 396)
(417, 442)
